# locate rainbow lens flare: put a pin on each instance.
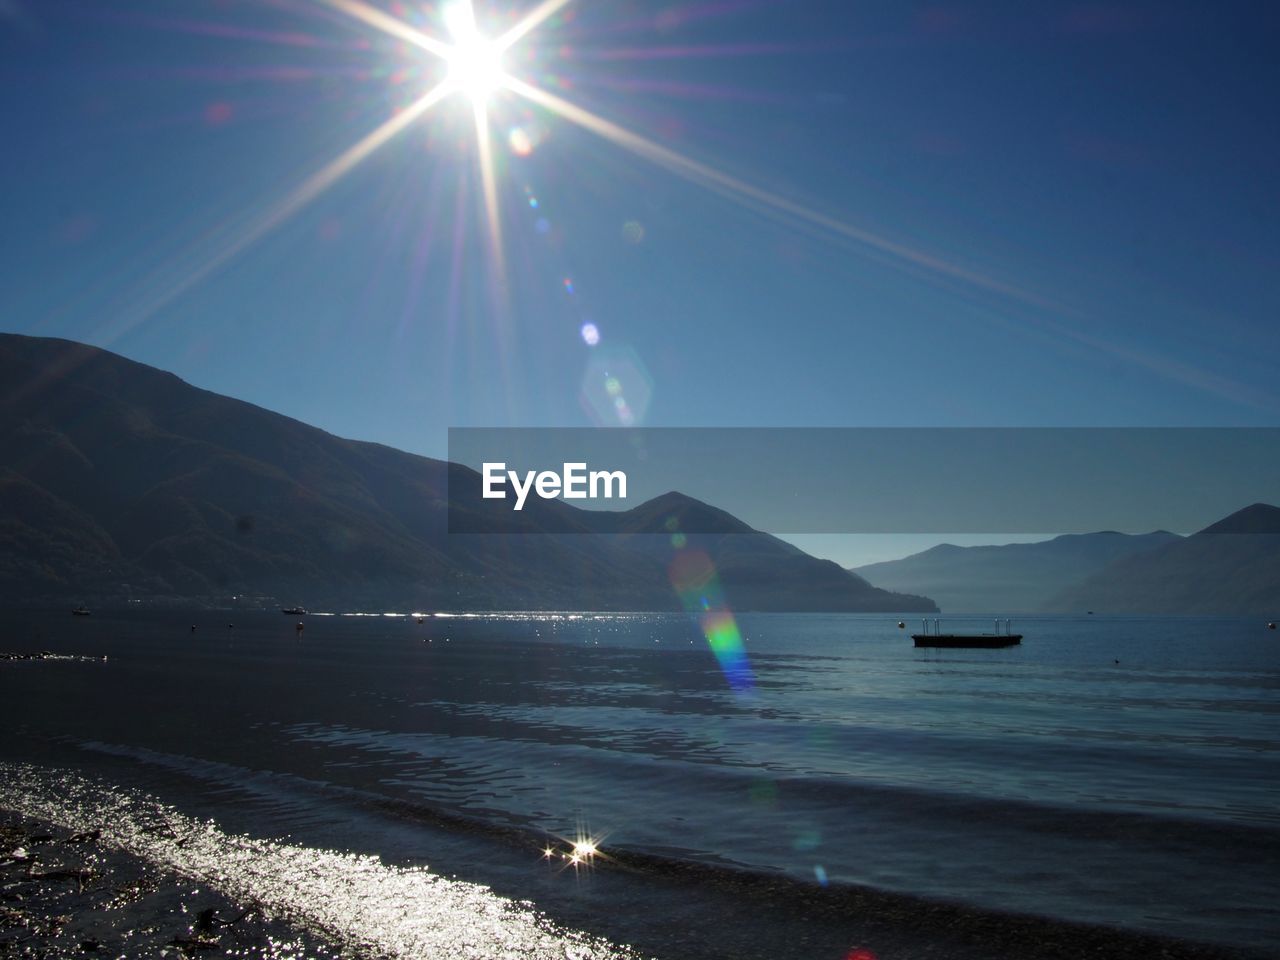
(693, 575)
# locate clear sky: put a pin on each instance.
(770, 213)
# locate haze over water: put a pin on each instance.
(1046, 779)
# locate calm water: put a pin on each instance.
(1047, 779)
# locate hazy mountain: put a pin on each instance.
(1230, 567)
(118, 480)
(1009, 578)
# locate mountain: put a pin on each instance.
(1259, 519)
(1229, 567)
(119, 481)
(1008, 578)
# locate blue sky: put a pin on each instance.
(1072, 212)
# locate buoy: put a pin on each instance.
(1271, 625)
(193, 628)
(299, 626)
(901, 625)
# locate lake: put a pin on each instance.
(847, 792)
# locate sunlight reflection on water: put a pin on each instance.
(387, 910)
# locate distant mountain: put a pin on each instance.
(1009, 578)
(1230, 567)
(121, 481)
(1259, 519)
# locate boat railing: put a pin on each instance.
(932, 627)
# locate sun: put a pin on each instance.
(475, 61)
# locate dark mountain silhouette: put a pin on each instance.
(119, 481)
(1008, 578)
(1229, 567)
(1260, 519)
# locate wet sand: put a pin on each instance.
(67, 894)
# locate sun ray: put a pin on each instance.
(530, 21)
(476, 72)
(708, 176)
(340, 166)
(390, 25)
(489, 189)
(758, 198)
(285, 208)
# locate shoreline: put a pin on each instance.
(67, 889)
(91, 865)
(65, 893)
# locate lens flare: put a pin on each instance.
(616, 386)
(520, 142)
(590, 334)
(218, 113)
(693, 574)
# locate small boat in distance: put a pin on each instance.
(81, 611)
(932, 636)
(294, 611)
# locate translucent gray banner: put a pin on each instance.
(858, 480)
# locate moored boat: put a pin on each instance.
(932, 636)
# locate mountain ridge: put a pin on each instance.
(1232, 566)
(1006, 578)
(121, 480)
